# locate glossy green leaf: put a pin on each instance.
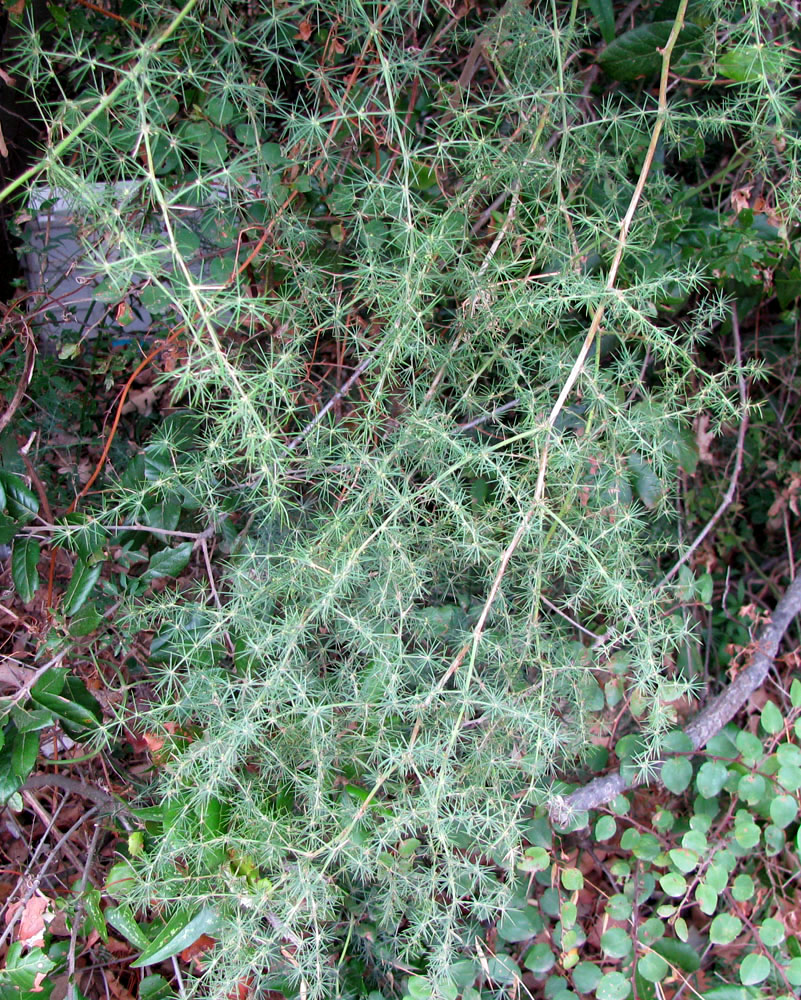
(168, 562)
(24, 560)
(678, 953)
(178, 933)
(21, 502)
(605, 15)
(121, 918)
(24, 751)
(616, 943)
(81, 584)
(638, 52)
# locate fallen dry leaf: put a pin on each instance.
(37, 914)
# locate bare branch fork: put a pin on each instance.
(709, 721)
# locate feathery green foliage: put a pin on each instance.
(362, 715)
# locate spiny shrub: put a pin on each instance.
(434, 284)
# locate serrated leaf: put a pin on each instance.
(637, 53)
(168, 562)
(81, 584)
(24, 560)
(179, 932)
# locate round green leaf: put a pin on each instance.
(771, 932)
(751, 788)
(616, 943)
(783, 810)
(586, 976)
(710, 778)
(572, 879)
(652, 967)
(754, 969)
(539, 959)
(793, 972)
(707, 898)
(724, 928)
(772, 719)
(605, 828)
(676, 774)
(673, 884)
(613, 986)
(742, 888)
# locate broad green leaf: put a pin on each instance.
(754, 969)
(613, 986)
(21, 502)
(652, 967)
(82, 581)
(586, 976)
(646, 482)
(678, 953)
(673, 884)
(539, 959)
(52, 681)
(519, 925)
(772, 719)
(604, 13)
(22, 969)
(572, 879)
(638, 52)
(119, 879)
(676, 774)
(178, 933)
(742, 888)
(503, 969)
(168, 562)
(707, 898)
(85, 621)
(95, 919)
(751, 63)
(771, 932)
(605, 828)
(24, 560)
(23, 753)
(75, 706)
(616, 942)
(711, 778)
(154, 988)
(122, 920)
(724, 928)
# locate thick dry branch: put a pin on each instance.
(709, 720)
